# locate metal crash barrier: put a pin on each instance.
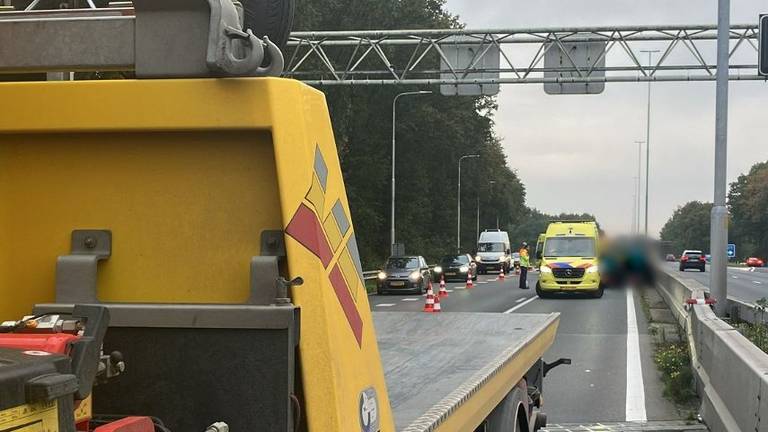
(731, 372)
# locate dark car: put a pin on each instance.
(404, 273)
(693, 259)
(455, 267)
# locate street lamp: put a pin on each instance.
(394, 106)
(639, 177)
(458, 204)
(648, 140)
(491, 183)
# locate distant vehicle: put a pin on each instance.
(670, 257)
(455, 267)
(708, 257)
(692, 259)
(516, 261)
(405, 273)
(754, 262)
(493, 251)
(569, 259)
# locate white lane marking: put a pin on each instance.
(514, 308)
(447, 290)
(757, 282)
(520, 299)
(458, 288)
(385, 304)
(635, 406)
(735, 277)
(410, 299)
(481, 282)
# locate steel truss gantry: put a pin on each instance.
(414, 56)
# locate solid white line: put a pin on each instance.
(519, 300)
(385, 304)
(635, 407)
(757, 282)
(512, 309)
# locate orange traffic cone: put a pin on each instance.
(436, 306)
(430, 291)
(443, 292)
(501, 274)
(429, 305)
(470, 285)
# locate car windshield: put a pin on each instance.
(693, 252)
(490, 247)
(403, 263)
(569, 247)
(453, 260)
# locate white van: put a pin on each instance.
(493, 251)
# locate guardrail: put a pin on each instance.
(731, 372)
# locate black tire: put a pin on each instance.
(703, 269)
(474, 277)
(599, 293)
(271, 18)
(541, 293)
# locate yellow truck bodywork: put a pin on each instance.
(553, 267)
(186, 174)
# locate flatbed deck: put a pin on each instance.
(446, 370)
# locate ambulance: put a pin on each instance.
(568, 259)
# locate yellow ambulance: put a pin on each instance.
(568, 260)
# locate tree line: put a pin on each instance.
(689, 225)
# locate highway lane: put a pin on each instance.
(743, 284)
(592, 332)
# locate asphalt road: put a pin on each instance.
(592, 332)
(743, 284)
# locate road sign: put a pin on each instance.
(762, 56)
(731, 250)
(579, 59)
(463, 53)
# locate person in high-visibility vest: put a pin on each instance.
(525, 262)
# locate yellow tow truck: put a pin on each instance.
(199, 210)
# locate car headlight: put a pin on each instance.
(382, 275)
(438, 269)
(545, 269)
(464, 269)
(414, 276)
(593, 269)
(478, 258)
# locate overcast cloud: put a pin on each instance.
(576, 153)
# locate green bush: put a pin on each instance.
(674, 362)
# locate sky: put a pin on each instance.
(576, 153)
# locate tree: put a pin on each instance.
(688, 228)
(748, 204)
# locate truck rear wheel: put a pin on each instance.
(271, 18)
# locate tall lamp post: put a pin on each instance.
(639, 178)
(394, 113)
(648, 141)
(458, 203)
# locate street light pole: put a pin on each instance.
(718, 239)
(490, 193)
(648, 141)
(458, 204)
(639, 177)
(392, 220)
